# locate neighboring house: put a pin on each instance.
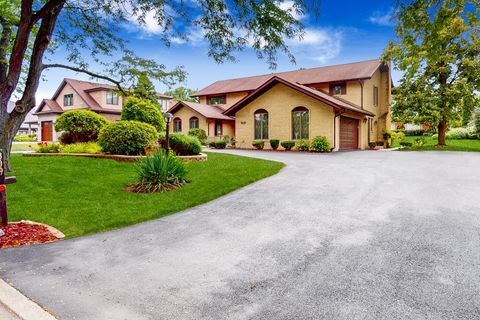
(29, 126)
(80, 95)
(349, 104)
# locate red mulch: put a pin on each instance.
(21, 234)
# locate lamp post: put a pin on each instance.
(168, 118)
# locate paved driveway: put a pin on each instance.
(354, 235)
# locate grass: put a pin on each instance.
(452, 144)
(81, 196)
(23, 146)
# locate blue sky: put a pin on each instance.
(347, 31)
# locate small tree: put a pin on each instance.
(182, 94)
(144, 89)
(143, 111)
(79, 126)
(438, 52)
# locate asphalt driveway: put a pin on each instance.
(354, 235)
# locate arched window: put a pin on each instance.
(177, 125)
(194, 123)
(261, 124)
(300, 123)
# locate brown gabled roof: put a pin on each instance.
(341, 72)
(334, 102)
(210, 112)
(53, 105)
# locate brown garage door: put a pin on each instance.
(47, 131)
(348, 133)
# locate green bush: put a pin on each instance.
(414, 133)
(476, 123)
(320, 144)
(302, 145)
(46, 147)
(159, 172)
(81, 147)
(287, 145)
(79, 126)
(420, 142)
(127, 137)
(220, 144)
(387, 134)
(25, 138)
(460, 133)
(143, 111)
(258, 144)
(199, 133)
(372, 145)
(274, 143)
(181, 144)
(406, 144)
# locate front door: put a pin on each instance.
(47, 131)
(348, 133)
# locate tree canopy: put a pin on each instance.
(182, 94)
(144, 89)
(438, 51)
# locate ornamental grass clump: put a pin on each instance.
(159, 172)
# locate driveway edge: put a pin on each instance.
(20, 305)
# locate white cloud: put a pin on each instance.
(319, 44)
(289, 5)
(383, 18)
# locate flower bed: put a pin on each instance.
(25, 233)
(116, 157)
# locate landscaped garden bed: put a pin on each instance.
(23, 233)
(116, 157)
(430, 143)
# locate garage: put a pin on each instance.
(348, 133)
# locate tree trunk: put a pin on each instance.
(9, 125)
(442, 129)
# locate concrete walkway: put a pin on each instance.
(354, 235)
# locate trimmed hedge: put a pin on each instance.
(320, 144)
(258, 144)
(144, 111)
(287, 145)
(302, 145)
(79, 126)
(274, 143)
(181, 144)
(127, 137)
(220, 144)
(200, 134)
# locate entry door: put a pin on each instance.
(348, 133)
(47, 131)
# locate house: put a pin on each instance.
(29, 125)
(348, 103)
(81, 95)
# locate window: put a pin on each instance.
(375, 96)
(300, 123)
(112, 98)
(194, 123)
(68, 100)
(261, 124)
(338, 88)
(177, 125)
(218, 128)
(217, 100)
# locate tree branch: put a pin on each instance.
(90, 73)
(46, 10)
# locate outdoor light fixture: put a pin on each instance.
(168, 118)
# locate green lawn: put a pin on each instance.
(452, 145)
(80, 196)
(24, 146)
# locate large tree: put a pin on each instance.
(88, 31)
(144, 89)
(438, 51)
(182, 94)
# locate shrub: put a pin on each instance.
(143, 111)
(320, 144)
(287, 145)
(420, 142)
(199, 133)
(460, 133)
(274, 143)
(476, 123)
(259, 144)
(25, 138)
(399, 135)
(159, 172)
(233, 142)
(81, 147)
(127, 137)
(79, 126)
(181, 144)
(387, 134)
(45, 147)
(220, 144)
(372, 145)
(406, 144)
(417, 132)
(302, 145)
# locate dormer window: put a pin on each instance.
(112, 98)
(217, 99)
(338, 88)
(68, 100)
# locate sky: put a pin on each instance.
(346, 31)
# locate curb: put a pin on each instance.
(20, 305)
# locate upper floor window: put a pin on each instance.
(112, 98)
(261, 124)
(375, 96)
(218, 128)
(300, 119)
(338, 88)
(217, 99)
(177, 125)
(194, 123)
(68, 100)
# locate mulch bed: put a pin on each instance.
(25, 233)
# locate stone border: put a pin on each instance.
(116, 157)
(57, 233)
(20, 305)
